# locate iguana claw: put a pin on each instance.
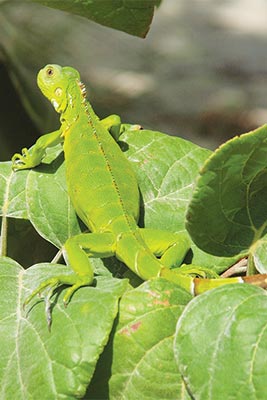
(52, 283)
(21, 161)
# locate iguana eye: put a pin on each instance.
(50, 71)
(58, 92)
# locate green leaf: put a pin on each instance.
(227, 212)
(259, 255)
(166, 168)
(49, 206)
(220, 344)
(130, 16)
(13, 202)
(12, 192)
(39, 364)
(217, 264)
(143, 362)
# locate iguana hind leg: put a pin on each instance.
(77, 251)
(170, 247)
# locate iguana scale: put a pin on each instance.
(104, 192)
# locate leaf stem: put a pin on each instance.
(238, 268)
(3, 237)
(57, 257)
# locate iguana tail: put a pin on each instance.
(200, 285)
(132, 250)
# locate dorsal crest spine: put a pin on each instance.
(83, 89)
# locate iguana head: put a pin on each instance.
(59, 84)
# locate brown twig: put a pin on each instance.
(239, 268)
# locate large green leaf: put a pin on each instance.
(258, 256)
(49, 207)
(130, 16)
(221, 342)
(13, 202)
(12, 192)
(36, 363)
(227, 213)
(143, 361)
(166, 168)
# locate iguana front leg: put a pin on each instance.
(113, 124)
(30, 158)
(33, 157)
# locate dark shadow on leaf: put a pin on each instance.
(31, 307)
(52, 167)
(25, 245)
(189, 257)
(141, 222)
(114, 266)
(98, 388)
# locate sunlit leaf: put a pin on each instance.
(38, 363)
(220, 344)
(227, 213)
(143, 361)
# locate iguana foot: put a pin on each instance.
(196, 271)
(52, 283)
(23, 161)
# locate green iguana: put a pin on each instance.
(104, 192)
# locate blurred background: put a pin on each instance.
(200, 74)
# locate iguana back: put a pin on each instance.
(101, 182)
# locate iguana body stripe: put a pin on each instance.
(104, 192)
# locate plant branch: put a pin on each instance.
(239, 268)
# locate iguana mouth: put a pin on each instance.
(55, 104)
